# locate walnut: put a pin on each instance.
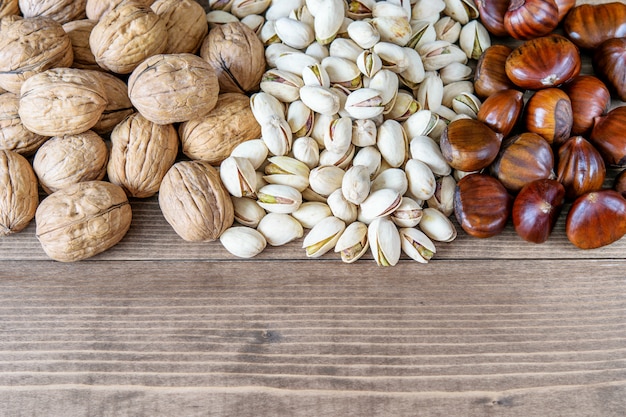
(194, 201)
(141, 153)
(30, 46)
(66, 160)
(13, 135)
(9, 8)
(82, 220)
(18, 192)
(172, 88)
(237, 55)
(95, 9)
(79, 31)
(62, 11)
(125, 36)
(186, 24)
(212, 138)
(62, 101)
(119, 105)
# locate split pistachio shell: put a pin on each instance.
(300, 119)
(328, 20)
(316, 75)
(365, 103)
(443, 199)
(280, 229)
(363, 33)
(317, 50)
(360, 9)
(287, 171)
(283, 85)
(276, 133)
(302, 14)
(268, 35)
(392, 143)
(282, 8)
(243, 242)
(311, 213)
(447, 29)
(342, 93)
(384, 240)
(392, 178)
(276, 50)
(370, 157)
(369, 63)
(344, 48)
(320, 125)
(295, 62)
(355, 184)
(414, 74)
(253, 150)
(247, 211)
(325, 179)
(392, 8)
(254, 22)
(220, 17)
(422, 182)
(421, 123)
(386, 82)
(404, 107)
(338, 136)
(416, 245)
(408, 214)
(430, 92)
(437, 226)
(341, 160)
(310, 195)
(306, 150)
(353, 242)
(323, 236)
(380, 203)
(217, 5)
(394, 29)
(393, 57)
(264, 106)
(467, 104)
(426, 9)
(343, 72)
(278, 198)
(294, 33)
(342, 208)
(238, 176)
(445, 115)
(455, 89)
(364, 132)
(243, 8)
(423, 31)
(455, 71)
(461, 10)
(320, 99)
(425, 149)
(474, 39)
(436, 55)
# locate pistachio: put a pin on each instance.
(295, 62)
(320, 99)
(421, 123)
(267, 35)
(423, 31)
(220, 17)
(302, 14)
(278, 198)
(416, 245)
(365, 103)
(343, 72)
(353, 242)
(253, 150)
(461, 10)
(404, 106)
(355, 184)
(320, 125)
(342, 208)
(283, 85)
(360, 9)
(243, 8)
(294, 33)
(384, 240)
(316, 75)
(394, 29)
(369, 63)
(392, 143)
(474, 39)
(380, 203)
(430, 92)
(325, 179)
(427, 10)
(436, 55)
(425, 149)
(317, 50)
(363, 33)
(386, 82)
(393, 57)
(328, 20)
(323, 237)
(421, 179)
(392, 178)
(414, 74)
(447, 29)
(247, 211)
(224, 5)
(392, 9)
(408, 214)
(300, 119)
(305, 149)
(264, 106)
(344, 48)
(443, 199)
(282, 8)
(467, 104)
(452, 90)
(238, 176)
(455, 71)
(310, 195)
(254, 22)
(437, 226)
(370, 157)
(341, 160)
(287, 171)
(276, 50)
(243, 242)
(364, 132)
(311, 213)
(276, 133)
(280, 229)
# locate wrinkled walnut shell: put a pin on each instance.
(95, 9)
(13, 135)
(141, 153)
(82, 220)
(186, 24)
(172, 88)
(79, 31)
(194, 201)
(66, 160)
(213, 138)
(19, 195)
(9, 8)
(119, 105)
(62, 11)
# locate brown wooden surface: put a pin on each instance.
(161, 327)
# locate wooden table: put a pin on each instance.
(158, 326)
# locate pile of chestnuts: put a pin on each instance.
(544, 136)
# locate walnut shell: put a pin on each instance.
(186, 24)
(171, 88)
(79, 31)
(66, 160)
(62, 101)
(213, 138)
(194, 201)
(62, 11)
(82, 220)
(13, 135)
(19, 195)
(30, 46)
(141, 153)
(126, 36)
(119, 105)
(9, 8)
(237, 55)
(95, 9)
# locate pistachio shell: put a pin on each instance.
(243, 242)
(408, 214)
(280, 229)
(311, 212)
(247, 211)
(323, 236)
(384, 240)
(392, 178)
(278, 198)
(238, 176)
(353, 242)
(437, 226)
(416, 245)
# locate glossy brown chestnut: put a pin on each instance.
(590, 98)
(609, 136)
(543, 62)
(469, 145)
(523, 158)
(502, 110)
(564, 6)
(536, 209)
(588, 25)
(609, 62)
(481, 205)
(529, 19)
(581, 168)
(490, 75)
(549, 114)
(492, 15)
(619, 183)
(596, 219)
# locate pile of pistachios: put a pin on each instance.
(351, 108)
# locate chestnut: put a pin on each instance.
(523, 158)
(596, 219)
(589, 98)
(536, 209)
(564, 6)
(609, 136)
(502, 110)
(580, 168)
(529, 19)
(543, 62)
(469, 144)
(491, 14)
(549, 114)
(490, 75)
(609, 62)
(481, 205)
(588, 25)
(619, 183)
